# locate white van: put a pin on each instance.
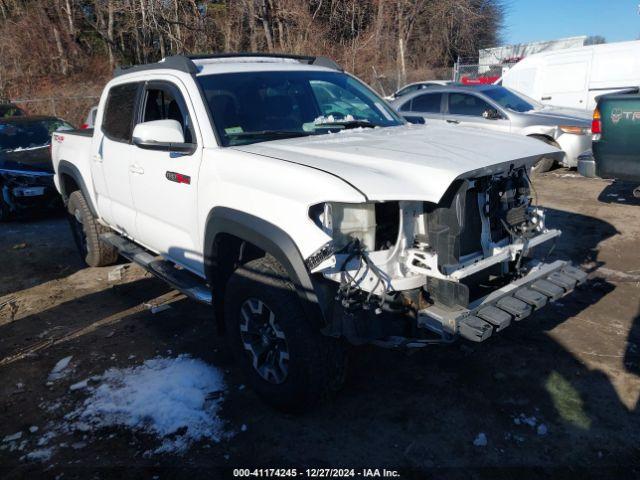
(575, 77)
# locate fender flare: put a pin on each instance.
(272, 240)
(68, 168)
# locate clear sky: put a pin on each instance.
(533, 20)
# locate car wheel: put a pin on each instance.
(545, 163)
(86, 233)
(283, 356)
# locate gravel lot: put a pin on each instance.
(558, 392)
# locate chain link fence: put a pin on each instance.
(73, 109)
(474, 72)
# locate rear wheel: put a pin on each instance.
(86, 233)
(284, 357)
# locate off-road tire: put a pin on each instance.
(545, 163)
(86, 233)
(317, 364)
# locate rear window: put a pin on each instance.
(117, 123)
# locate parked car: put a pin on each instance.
(414, 87)
(576, 77)
(11, 110)
(616, 140)
(26, 172)
(90, 121)
(304, 228)
(501, 109)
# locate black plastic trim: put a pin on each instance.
(67, 168)
(269, 238)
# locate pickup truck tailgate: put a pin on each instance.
(617, 154)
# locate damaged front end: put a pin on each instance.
(413, 273)
(21, 191)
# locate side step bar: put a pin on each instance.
(545, 283)
(182, 280)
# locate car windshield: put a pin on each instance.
(508, 99)
(260, 106)
(28, 135)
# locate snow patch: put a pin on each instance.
(41, 455)
(12, 438)
(480, 440)
(59, 370)
(165, 397)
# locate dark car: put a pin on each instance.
(26, 172)
(10, 110)
(616, 140)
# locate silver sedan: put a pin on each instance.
(498, 108)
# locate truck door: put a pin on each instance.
(164, 184)
(470, 110)
(112, 153)
(564, 80)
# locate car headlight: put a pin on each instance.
(575, 130)
(346, 222)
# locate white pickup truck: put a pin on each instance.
(291, 197)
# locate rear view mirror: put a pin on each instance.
(162, 135)
(491, 114)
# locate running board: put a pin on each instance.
(180, 279)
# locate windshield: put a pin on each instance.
(508, 99)
(16, 136)
(259, 106)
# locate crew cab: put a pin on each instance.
(290, 196)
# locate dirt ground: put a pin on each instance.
(573, 366)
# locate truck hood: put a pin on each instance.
(411, 162)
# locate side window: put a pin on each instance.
(429, 102)
(406, 106)
(464, 104)
(166, 103)
(119, 112)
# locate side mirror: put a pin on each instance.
(161, 135)
(491, 114)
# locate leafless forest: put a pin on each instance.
(64, 48)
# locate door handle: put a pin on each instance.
(545, 98)
(456, 122)
(136, 169)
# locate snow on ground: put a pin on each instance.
(175, 399)
(60, 369)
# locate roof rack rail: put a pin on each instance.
(184, 63)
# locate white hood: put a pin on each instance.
(413, 162)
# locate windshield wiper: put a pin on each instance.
(270, 133)
(347, 124)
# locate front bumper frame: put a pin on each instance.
(545, 282)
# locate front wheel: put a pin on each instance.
(545, 163)
(284, 357)
(86, 233)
